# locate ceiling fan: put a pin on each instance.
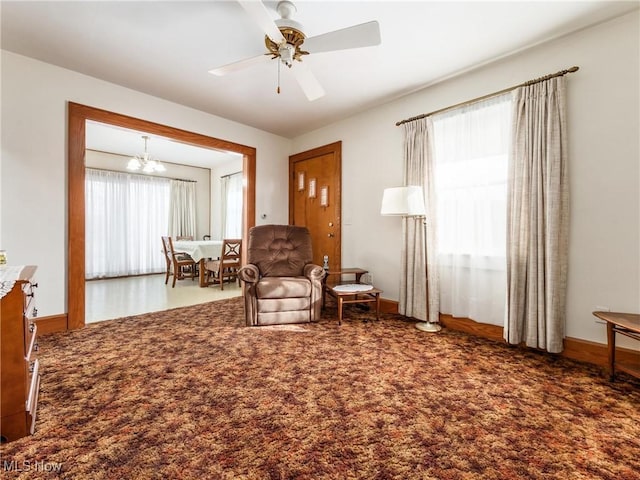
(285, 38)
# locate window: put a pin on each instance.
(471, 146)
(126, 215)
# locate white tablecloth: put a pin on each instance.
(199, 249)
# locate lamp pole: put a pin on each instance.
(427, 326)
(408, 202)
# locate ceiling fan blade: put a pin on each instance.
(363, 35)
(307, 81)
(232, 67)
(259, 13)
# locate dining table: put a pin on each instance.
(199, 250)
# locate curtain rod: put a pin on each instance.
(139, 174)
(484, 97)
(231, 174)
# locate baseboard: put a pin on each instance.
(467, 325)
(388, 306)
(51, 324)
(597, 353)
(574, 348)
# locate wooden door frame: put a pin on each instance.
(332, 148)
(77, 116)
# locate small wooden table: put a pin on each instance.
(356, 272)
(627, 324)
(361, 297)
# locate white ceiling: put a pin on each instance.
(166, 48)
(122, 141)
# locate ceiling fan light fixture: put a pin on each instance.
(287, 54)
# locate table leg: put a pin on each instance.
(611, 342)
(340, 304)
(203, 282)
(378, 306)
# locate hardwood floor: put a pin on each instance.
(121, 297)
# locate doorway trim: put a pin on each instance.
(77, 116)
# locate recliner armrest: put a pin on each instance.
(249, 273)
(314, 272)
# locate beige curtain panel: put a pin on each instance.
(182, 209)
(419, 291)
(538, 217)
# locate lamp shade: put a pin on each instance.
(404, 201)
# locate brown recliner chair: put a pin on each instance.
(281, 285)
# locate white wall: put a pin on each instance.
(34, 160)
(604, 153)
(201, 177)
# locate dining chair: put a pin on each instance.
(226, 267)
(179, 264)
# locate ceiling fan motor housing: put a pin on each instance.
(294, 38)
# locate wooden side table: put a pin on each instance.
(356, 272)
(360, 297)
(627, 324)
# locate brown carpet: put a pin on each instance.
(193, 394)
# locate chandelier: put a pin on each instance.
(144, 162)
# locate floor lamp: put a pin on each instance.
(408, 202)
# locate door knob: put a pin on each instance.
(330, 235)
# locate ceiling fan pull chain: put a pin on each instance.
(278, 90)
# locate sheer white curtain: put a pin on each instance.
(125, 216)
(471, 150)
(182, 209)
(232, 206)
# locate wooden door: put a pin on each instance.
(315, 199)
